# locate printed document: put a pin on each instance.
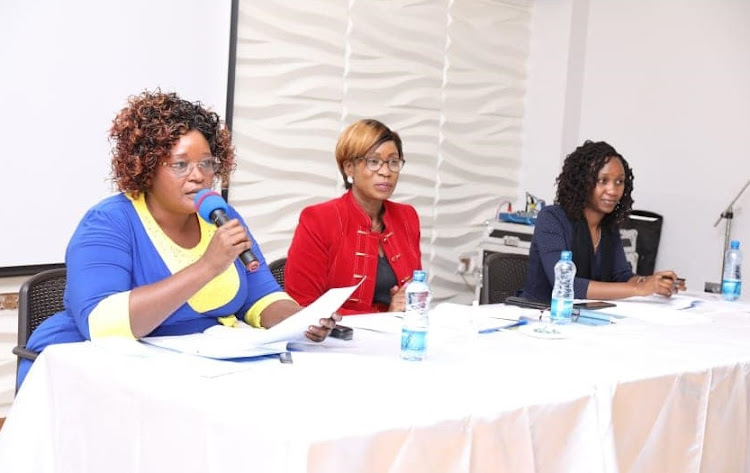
(243, 341)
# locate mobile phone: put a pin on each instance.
(342, 332)
(526, 303)
(593, 305)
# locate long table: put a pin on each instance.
(628, 397)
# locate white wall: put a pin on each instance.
(667, 83)
(68, 68)
(546, 103)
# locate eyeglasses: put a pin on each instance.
(374, 164)
(183, 168)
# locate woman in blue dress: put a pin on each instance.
(142, 262)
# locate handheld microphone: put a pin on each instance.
(213, 208)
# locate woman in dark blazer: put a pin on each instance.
(593, 197)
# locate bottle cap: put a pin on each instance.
(566, 255)
(419, 275)
(735, 244)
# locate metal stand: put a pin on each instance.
(728, 215)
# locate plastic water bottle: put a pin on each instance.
(416, 320)
(731, 282)
(561, 307)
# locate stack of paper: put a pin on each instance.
(244, 341)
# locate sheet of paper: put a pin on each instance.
(223, 342)
(677, 302)
(293, 328)
(714, 304)
(719, 307)
(383, 322)
(472, 319)
(211, 345)
(450, 313)
(658, 310)
(172, 360)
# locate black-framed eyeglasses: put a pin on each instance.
(374, 164)
(183, 168)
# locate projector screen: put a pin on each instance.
(68, 68)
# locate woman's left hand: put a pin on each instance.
(318, 333)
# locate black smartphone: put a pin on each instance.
(526, 303)
(593, 305)
(342, 332)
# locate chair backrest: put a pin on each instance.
(649, 226)
(502, 275)
(40, 297)
(277, 269)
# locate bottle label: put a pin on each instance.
(561, 311)
(413, 343)
(417, 300)
(730, 289)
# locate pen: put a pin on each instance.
(540, 318)
(589, 314)
(497, 329)
(675, 282)
(670, 277)
(579, 314)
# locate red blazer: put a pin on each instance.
(333, 246)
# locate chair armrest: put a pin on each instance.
(24, 352)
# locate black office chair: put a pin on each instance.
(502, 275)
(40, 297)
(649, 226)
(277, 269)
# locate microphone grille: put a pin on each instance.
(207, 201)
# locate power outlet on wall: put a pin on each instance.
(9, 301)
(465, 264)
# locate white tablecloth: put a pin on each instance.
(630, 397)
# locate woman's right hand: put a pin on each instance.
(398, 299)
(228, 242)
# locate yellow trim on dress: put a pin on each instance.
(111, 317)
(227, 320)
(252, 316)
(220, 290)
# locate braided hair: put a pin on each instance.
(578, 178)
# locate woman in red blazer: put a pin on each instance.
(362, 234)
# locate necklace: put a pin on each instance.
(598, 237)
(376, 227)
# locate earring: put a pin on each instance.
(350, 179)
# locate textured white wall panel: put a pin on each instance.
(288, 93)
(481, 132)
(449, 76)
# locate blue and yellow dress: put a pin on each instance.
(119, 246)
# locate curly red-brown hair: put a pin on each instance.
(144, 132)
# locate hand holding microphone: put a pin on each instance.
(213, 208)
